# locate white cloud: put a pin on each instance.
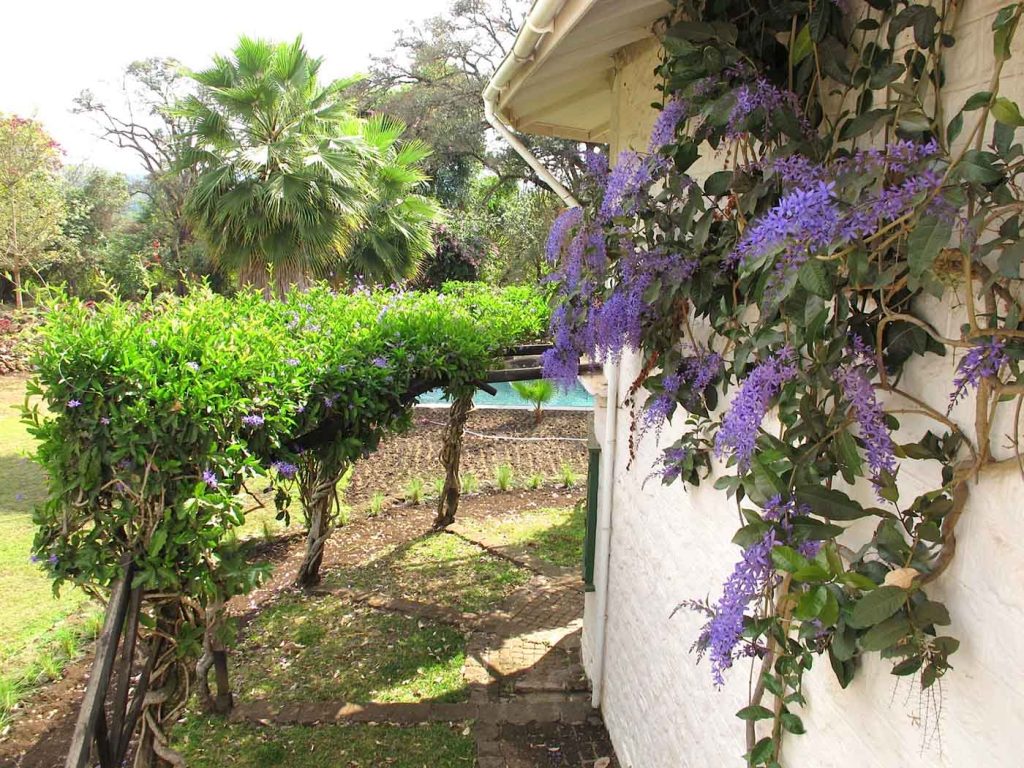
(50, 51)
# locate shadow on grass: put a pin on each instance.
(439, 569)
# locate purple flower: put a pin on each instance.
(670, 464)
(330, 400)
(380, 362)
(19, 497)
(696, 373)
(33, 558)
(738, 434)
(597, 166)
(253, 420)
(292, 361)
(210, 478)
(761, 95)
(52, 560)
(74, 403)
(192, 364)
(625, 182)
(753, 574)
(981, 362)
(285, 469)
(664, 131)
(870, 418)
(105, 421)
(567, 221)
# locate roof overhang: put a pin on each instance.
(564, 88)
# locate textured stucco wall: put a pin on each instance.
(669, 545)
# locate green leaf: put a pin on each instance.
(929, 237)
(792, 723)
(788, 559)
(886, 634)
(877, 606)
(762, 751)
(814, 276)
(1006, 111)
(755, 712)
(718, 183)
(864, 123)
(978, 166)
(830, 503)
(1010, 260)
(802, 46)
(811, 604)
(931, 612)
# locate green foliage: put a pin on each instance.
(282, 171)
(537, 392)
(376, 504)
(396, 234)
(414, 490)
(503, 477)
(162, 410)
(469, 483)
(567, 476)
(31, 202)
(535, 481)
(452, 258)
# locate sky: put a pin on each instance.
(51, 51)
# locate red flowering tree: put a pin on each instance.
(31, 205)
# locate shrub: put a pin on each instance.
(452, 259)
(469, 483)
(438, 486)
(414, 490)
(537, 392)
(567, 475)
(503, 477)
(154, 414)
(376, 504)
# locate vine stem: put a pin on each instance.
(786, 603)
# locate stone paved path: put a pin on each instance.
(529, 698)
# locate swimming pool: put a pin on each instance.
(507, 397)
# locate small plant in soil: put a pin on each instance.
(503, 477)
(536, 392)
(469, 483)
(567, 476)
(535, 481)
(376, 504)
(438, 486)
(414, 490)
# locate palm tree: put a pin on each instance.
(281, 165)
(398, 232)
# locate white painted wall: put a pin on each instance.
(670, 544)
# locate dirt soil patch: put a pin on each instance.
(415, 454)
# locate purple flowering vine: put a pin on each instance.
(210, 478)
(870, 418)
(74, 403)
(253, 420)
(982, 361)
(664, 131)
(285, 469)
(738, 434)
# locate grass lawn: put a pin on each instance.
(321, 648)
(554, 535)
(213, 743)
(32, 647)
(438, 568)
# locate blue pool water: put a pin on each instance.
(577, 397)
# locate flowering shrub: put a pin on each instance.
(798, 276)
(159, 413)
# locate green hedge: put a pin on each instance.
(157, 412)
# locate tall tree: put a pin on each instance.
(399, 220)
(432, 80)
(280, 165)
(143, 120)
(31, 204)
